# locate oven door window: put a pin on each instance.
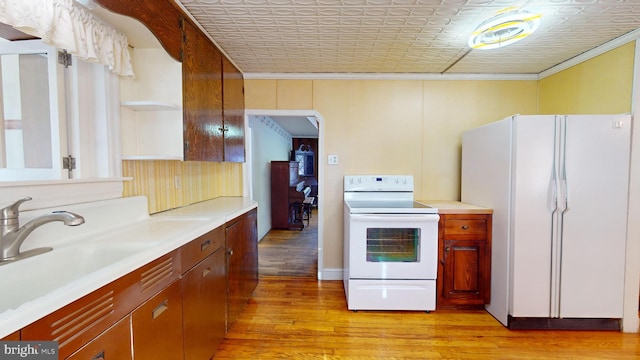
(393, 245)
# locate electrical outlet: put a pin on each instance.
(177, 181)
(332, 159)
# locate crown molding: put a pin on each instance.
(590, 54)
(386, 76)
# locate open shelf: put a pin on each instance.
(150, 106)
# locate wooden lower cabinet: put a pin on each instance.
(464, 253)
(113, 344)
(204, 291)
(178, 306)
(242, 262)
(157, 326)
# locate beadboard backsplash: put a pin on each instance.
(170, 184)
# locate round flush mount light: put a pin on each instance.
(506, 28)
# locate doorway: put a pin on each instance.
(285, 252)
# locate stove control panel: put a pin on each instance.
(378, 183)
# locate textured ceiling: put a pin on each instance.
(402, 36)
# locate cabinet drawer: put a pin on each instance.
(198, 249)
(113, 344)
(157, 326)
(462, 229)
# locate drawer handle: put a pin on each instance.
(230, 252)
(205, 245)
(160, 309)
(464, 227)
(206, 271)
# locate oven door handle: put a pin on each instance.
(395, 217)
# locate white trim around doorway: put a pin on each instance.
(248, 179)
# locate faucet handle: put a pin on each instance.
(11, 212)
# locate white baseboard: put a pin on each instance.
(331, 274)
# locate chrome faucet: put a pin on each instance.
(12, 235)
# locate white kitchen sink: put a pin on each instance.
(93, 255)
(27, 279)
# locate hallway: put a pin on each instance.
(290, 252)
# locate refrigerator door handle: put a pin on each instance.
(564, 188)
(552, 199)
(565, 195)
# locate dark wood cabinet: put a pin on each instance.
(286, 195)
(178, 306)
(204, 292)
(157, 326)
(161, 17)
(464, 272)
(202, 97)
(113, 344)
(212, 87)
(242, 262)
(233, 111)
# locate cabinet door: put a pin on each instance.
(204, 307)
(242, 252)
(464, 252)
(113, 344)
(463, 262)
(233, 106)
(157, 326)
(202, 97)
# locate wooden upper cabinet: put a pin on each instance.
(161, 17)
(233, 109)
(212, 87)
(202, 97)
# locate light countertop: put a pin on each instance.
(118, 236)
(456, 207)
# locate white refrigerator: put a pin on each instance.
(558, 187)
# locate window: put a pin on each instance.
(30, 128)
(51, 111)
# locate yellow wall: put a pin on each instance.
(199, 181)
(601, 85)
(392, 126)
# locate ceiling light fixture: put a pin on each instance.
(506, 28)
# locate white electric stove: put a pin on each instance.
(390, 245)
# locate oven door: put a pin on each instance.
(393, 246)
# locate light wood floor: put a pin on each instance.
(298, 317)
(290, 252)
(301, 318)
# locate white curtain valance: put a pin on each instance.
(63, 24)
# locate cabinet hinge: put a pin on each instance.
(64, 58)
(69, 162)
